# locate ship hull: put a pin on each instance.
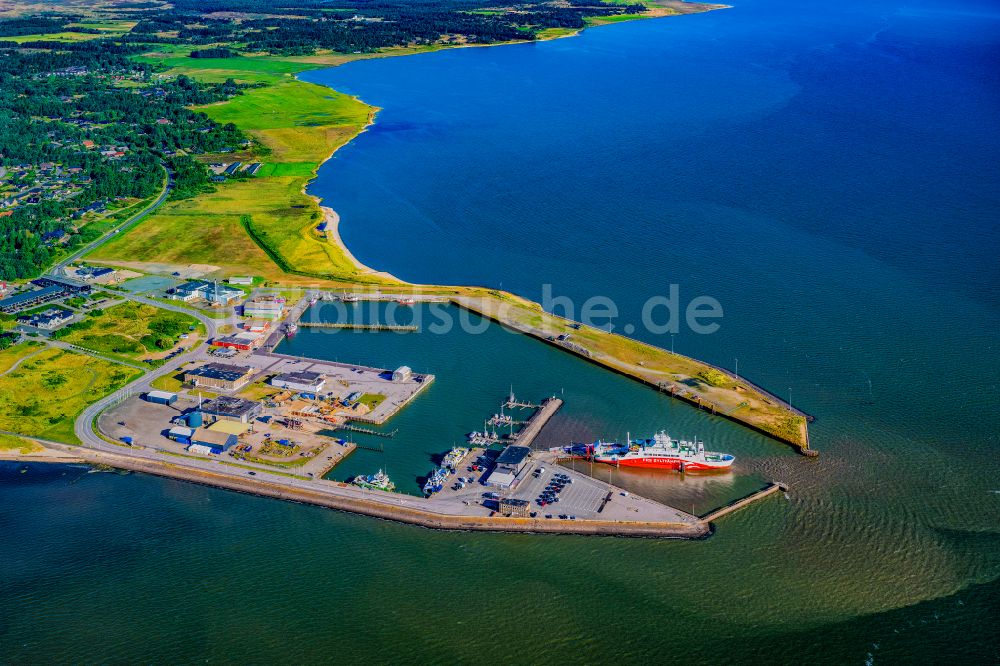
(657, 462)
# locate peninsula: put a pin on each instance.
(243, 215)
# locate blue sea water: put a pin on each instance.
(827, 171)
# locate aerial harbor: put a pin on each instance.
(339, 330)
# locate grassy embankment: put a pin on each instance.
(43, 395)
(301, 125)
(130, 331)
(9, 443)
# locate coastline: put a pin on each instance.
(303, 259)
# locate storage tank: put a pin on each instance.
(195, 419)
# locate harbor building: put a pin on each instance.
(402, 374)
(518, 508)
(229, 408)
(220, 375)
(310, 382)
(243, 341)
(264, 307)
(509, 465)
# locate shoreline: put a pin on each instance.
(759, 410)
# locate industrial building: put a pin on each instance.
(243, 280)
(209, 441)
(311, 382)
(214, 293)
(161, 397)
(98, 274)
(264, 307)
(220, 375)
(180, 434)
(509, 465)
(229, 408)
(244, 341)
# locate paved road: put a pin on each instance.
(60, 268)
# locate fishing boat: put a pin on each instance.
(454, 458)
(406, 300)
(349, 298)
(378, 481)
(435, 482)
(660, 452)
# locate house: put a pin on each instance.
(220, 375)
(310, 382)
(266, 307)
(257, 325)
(49, 320)
(51, 289)
(230, 408)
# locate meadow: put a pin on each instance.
(129, 330)
(43, 395)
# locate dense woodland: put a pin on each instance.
(83, 124)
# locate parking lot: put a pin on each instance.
(582, 498)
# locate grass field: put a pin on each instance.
(12, 443)
(43, 395)
(301, 124)
(130, 330)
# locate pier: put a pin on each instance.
(534, 425)
(366, 431)
(746, 501)
(399, 328)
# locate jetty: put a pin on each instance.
(526, 435)
(770, 489)
(399, 328)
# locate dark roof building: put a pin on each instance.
(228, 408)
(219, 375)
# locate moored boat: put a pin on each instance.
(454, 458)
(659, 452)
(378, 481)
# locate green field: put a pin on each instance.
(301, 124)
(130, 330)
(43, 395)
(19, 444)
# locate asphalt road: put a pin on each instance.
(60, 268)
